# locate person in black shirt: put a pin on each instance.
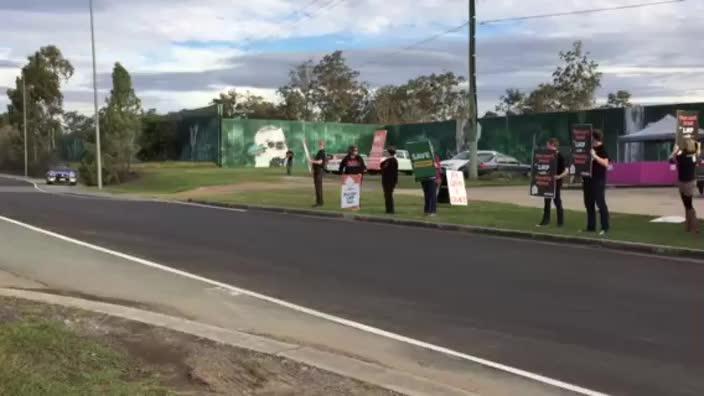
(686, 159)
(289, 162)
(561, 172)
(319, 163)
(594, 186)
(352, 164)
(389, 179)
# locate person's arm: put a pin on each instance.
(675, 151)
(601, 161)
(394, 169)
(364, 166)
(563, 174)
(343, 165)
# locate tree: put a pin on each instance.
(490, 114)
(512, 102)
(297, 95)
(236, 105)
(158, 140)
(121, 123)
(337, 94)
(44, 73)
(619, 99)
(543, 99)
(575, 83)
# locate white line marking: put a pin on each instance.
(321, 315)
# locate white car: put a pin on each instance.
(333, 165)
(489, 161)
(404, 161)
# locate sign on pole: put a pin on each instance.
(307, 152)
(542, 183)
(581, 150)
(351, 192)
(455, 184)
(422, 157)
(687, 126)
(375, 156)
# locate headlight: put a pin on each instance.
(72, 175)
(52, 174)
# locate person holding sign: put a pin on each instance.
(352, 164)
(319, 163)
(594, 185)
(389, 179)
(560, 173)
(686, 159)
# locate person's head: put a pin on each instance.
(353, 151)
(321, 144)
(391, 150)
(689, 146)
(597, 138)
(554, 144)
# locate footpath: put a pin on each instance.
(42, 268)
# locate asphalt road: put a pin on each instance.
(613, 322)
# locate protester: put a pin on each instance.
(389, 179)
(352, 164)
(560, 173)
(686, 159)
(430, 190)
(289, 162)
(319, 163)
(594, 187)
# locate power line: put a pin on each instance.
(580, 12)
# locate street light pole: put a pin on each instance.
(472, 62)
(24, 123)
(95, 102)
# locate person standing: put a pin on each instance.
(352, 164)
(389, 179)
(686, 159)
(560, 173)
(430, 190)
(289, 162)
(594, 187)
(319, 162)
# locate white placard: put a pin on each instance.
(455, 184)
(351, 191)
(305, 149)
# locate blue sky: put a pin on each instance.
(183, 52)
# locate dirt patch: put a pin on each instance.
(285, 183)
(187, 364)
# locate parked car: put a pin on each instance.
(333, 165)
(61, 173)
(404, 161)
(489, 162)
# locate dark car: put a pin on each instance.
(61, 173)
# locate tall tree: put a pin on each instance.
(337, 93)
(512, 102)
(577, 80)
(247, 105)
(297, 95)
(121, 124)
(43, 75)
(619, 99)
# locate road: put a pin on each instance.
(609, 321)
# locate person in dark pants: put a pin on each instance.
(352, 164)
(686, 159)
(594, 187)
(318, 171)
(561, 172)
(430, 190)
(389, 179)
(289, 162)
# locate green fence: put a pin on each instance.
(198, 135)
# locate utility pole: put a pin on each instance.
(24, 123)
(472, 61)
(95, 102)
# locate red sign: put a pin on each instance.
(375, 156)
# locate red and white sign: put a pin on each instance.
(375, 156)
(455, 184)
(351, 191)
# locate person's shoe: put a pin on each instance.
(317, 205)
(543, 224)
(560, 225)
(603, 233)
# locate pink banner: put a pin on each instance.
(375, 156)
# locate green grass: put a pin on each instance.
(175, 177)
(46, 358)
(633, 228)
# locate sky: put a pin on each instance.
(182, 53)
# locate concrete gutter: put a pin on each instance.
(663, 250)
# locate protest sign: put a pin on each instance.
(351, 191)
(581, 150)
(375, 156)
(542, 181)
(458, 191)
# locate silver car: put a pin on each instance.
(489, 162)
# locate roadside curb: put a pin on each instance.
(345, 366)
(661, 250)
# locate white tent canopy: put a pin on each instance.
(659, 130)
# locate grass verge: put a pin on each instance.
(46, 358)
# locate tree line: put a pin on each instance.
(327, 91)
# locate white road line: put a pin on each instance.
(345, 322)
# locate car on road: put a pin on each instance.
(489, 162)
(61, 173)
(333, 165)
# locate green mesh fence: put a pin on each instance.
(198, 135)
